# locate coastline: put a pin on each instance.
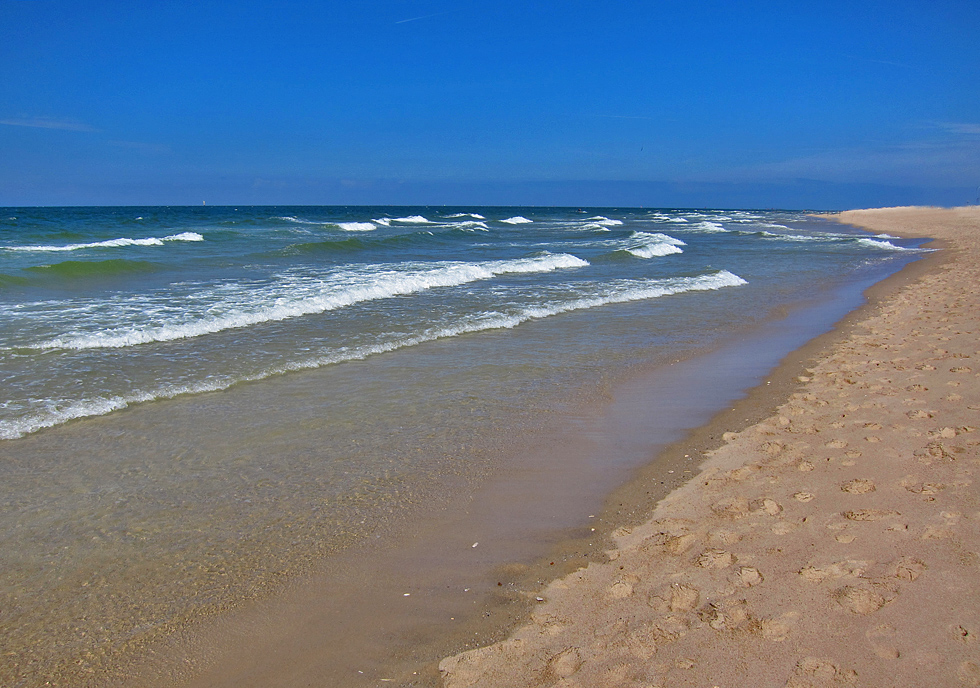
(819, 530)
(379, 611)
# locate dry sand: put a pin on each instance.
(835, 543)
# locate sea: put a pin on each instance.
(198, 404)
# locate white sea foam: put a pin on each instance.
(235, 306)
(605, 221)
(802, 238)
(545, 263)
(887, 245)
(653, 250)
(57, 412)
(708, 226)
(112, 243)
(356, 226)
(646, 245)
(383, 221)
(475, 216)
(470, 225)
(657, 236)
(517, 220)
(299, 221)
(411, 219)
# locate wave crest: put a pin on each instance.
(112, 243)
(300, 297)
(619, 292)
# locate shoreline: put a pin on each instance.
(393, 618)
(417, 636)
(257, 643)
(606, 625)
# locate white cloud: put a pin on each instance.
(424, 16)
(141, 146)
(949, 162)
(959, 127)
(47, 123)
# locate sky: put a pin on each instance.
(654, 103)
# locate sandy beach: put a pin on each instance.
(836, 542)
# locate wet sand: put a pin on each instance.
(832, 535)
(464, 567)
(461, 575)
(460, 569)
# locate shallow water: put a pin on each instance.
(382, 371)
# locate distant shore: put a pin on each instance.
(832, 535)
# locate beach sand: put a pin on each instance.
(836, 542)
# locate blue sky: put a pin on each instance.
(724, 104)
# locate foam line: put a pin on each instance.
(112, 243)
(311, 296)
(619, 292)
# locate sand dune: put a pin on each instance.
(835, 543)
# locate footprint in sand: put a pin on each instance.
(858, 600)
(778, 629)
(812, 671)
(716, 559)
(621, 589)
(731, 507)
(881, 638)
(724, 536)
(684, 598)
(748, 577)
(669, 544)
(858, 486)
(680, 544)
(906, 568)
(566, 663)
(912, 484)
(936, 533)
(766, 506)
(839, 569)
(772, 448)
(869, 514)
(969, 673)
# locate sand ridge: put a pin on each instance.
(835, 543)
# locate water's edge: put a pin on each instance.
(393, 607)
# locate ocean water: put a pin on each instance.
(200, 402)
